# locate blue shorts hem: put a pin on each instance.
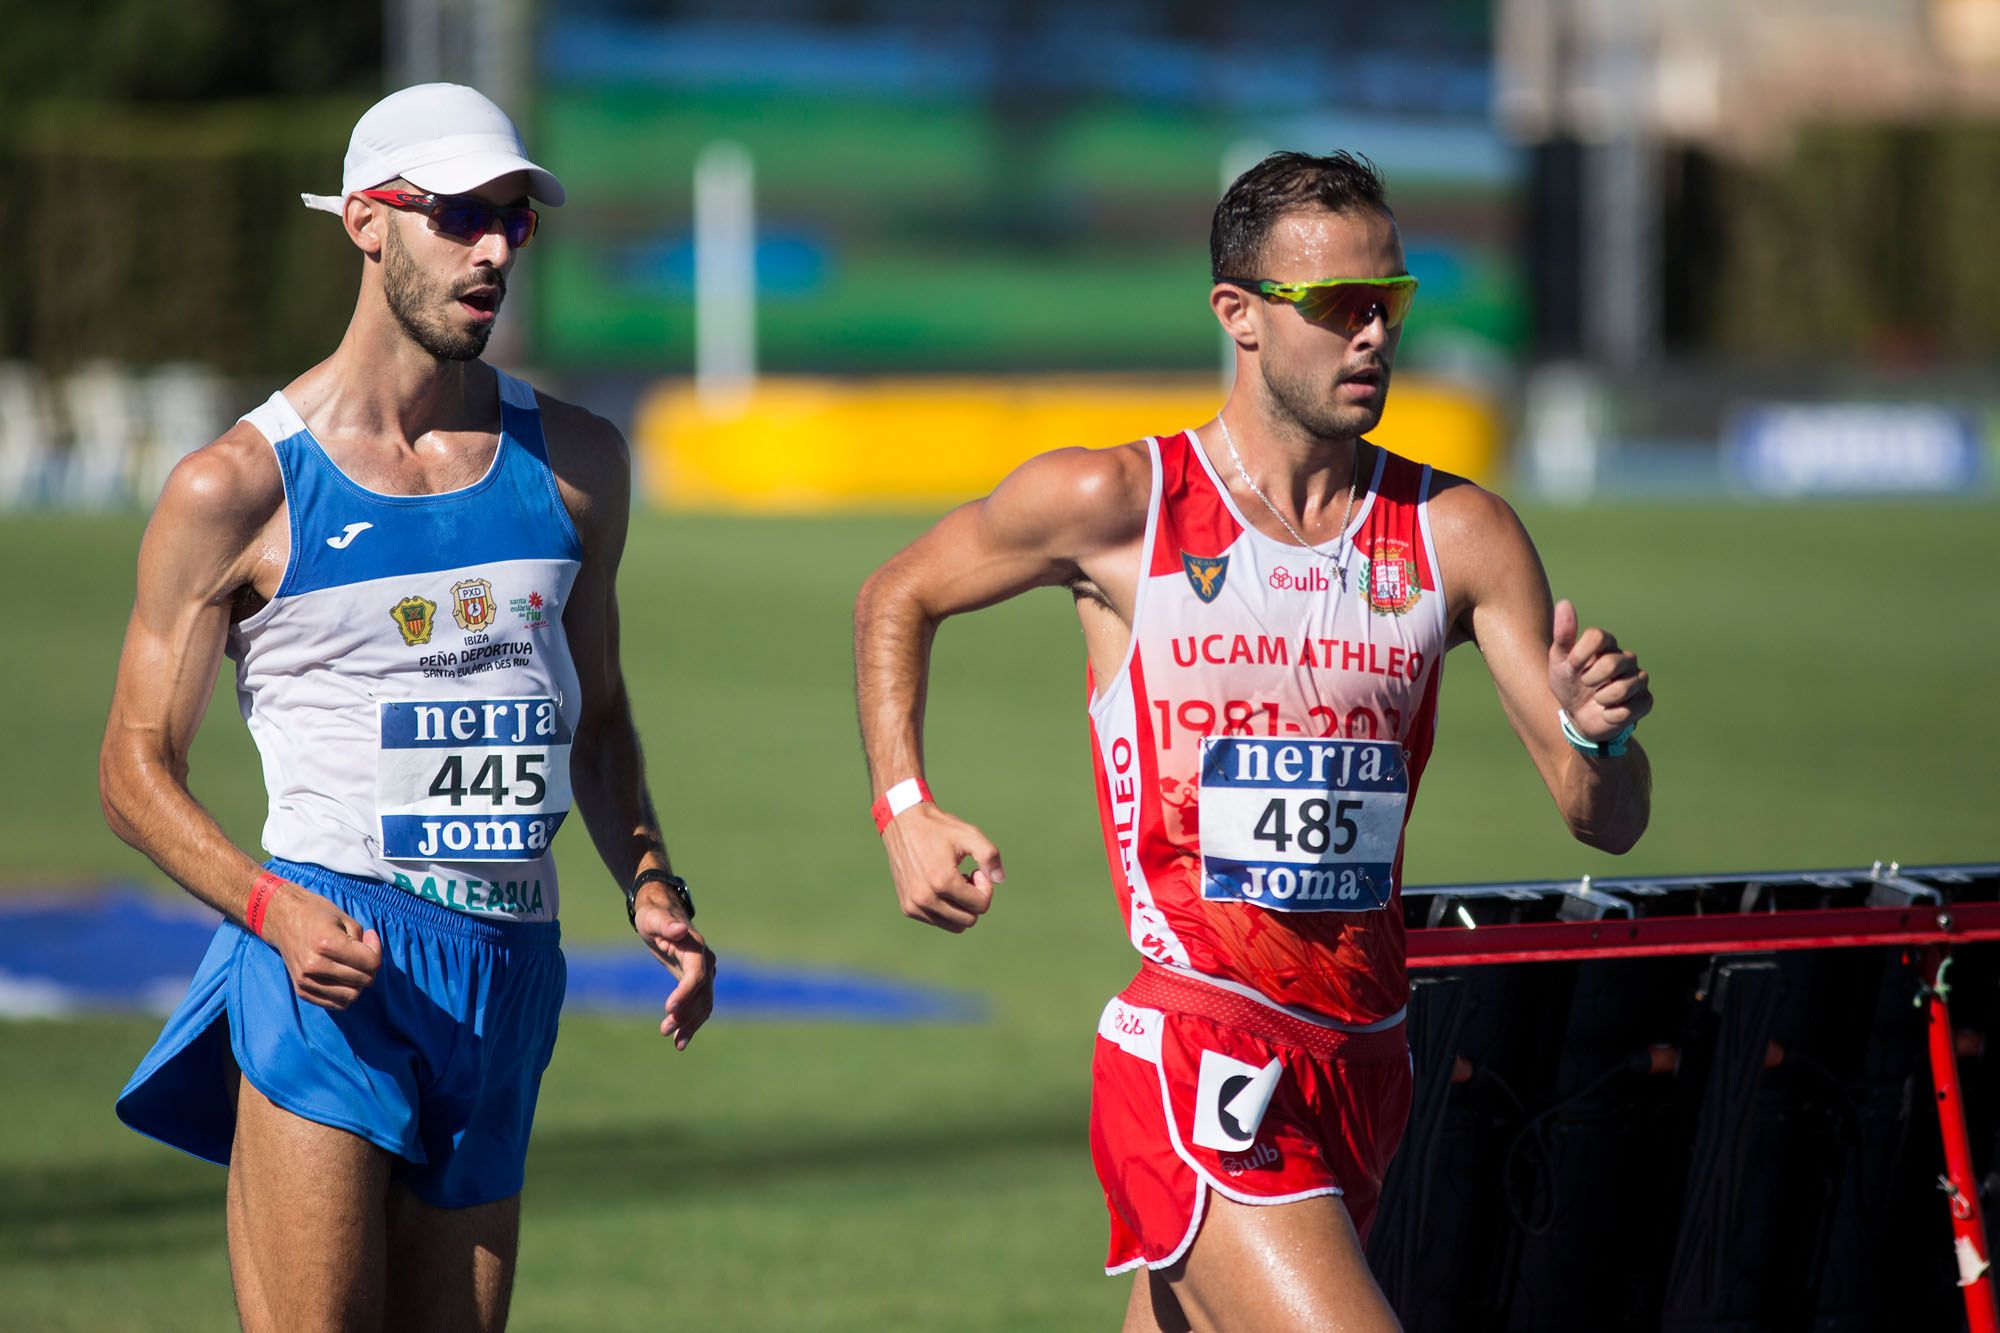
(465, 1199)
(222, 1006)
(274, 1092)
(162, 1099)
(347, 1124)
(401, 1073)
(160, 1137)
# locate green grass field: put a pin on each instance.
(1824, 698)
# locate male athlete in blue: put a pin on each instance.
(411, 558)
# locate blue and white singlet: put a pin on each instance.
(409, 686)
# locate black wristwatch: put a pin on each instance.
(675, 885)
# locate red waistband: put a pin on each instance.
(1158, 988)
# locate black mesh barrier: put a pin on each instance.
(1744, 1139)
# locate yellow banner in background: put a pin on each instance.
(798, 445)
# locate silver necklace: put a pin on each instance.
(1353, 485)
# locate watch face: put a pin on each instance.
(674, 884)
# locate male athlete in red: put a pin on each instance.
(1265, 602)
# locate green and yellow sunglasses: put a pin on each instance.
(1345, 304)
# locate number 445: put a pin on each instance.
(528, 789)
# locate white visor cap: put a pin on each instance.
(443, 138)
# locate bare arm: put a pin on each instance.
(607, 767)
(208, 548)
(1066, 517)
(1540, 663)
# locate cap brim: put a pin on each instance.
(461, 174)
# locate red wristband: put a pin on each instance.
(893, 802)
(261, 890)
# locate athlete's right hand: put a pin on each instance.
(926, 848)
(331, 958)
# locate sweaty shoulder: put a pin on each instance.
(1482, 546)
(229, 487)
(592, 463)
(1466, 509)
(218, 533)
(584, 448)
(1092, 497)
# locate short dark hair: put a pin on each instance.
(1340, 182)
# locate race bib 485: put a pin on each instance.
(1301, 825)
(471, 779)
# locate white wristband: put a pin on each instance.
(893, 802)
(903, 795)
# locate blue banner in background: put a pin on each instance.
(124, 950)
(1854, 449)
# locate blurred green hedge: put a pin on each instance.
(173, 231)
(1864, 242)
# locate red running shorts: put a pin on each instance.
(1195, 1087)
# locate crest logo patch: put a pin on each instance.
(1390, 576)
(1205, 574)
(472, 604)
(413, 617)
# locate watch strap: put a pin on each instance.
(674, 883)
(1614, 746)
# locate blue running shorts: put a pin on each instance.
(438, 1061)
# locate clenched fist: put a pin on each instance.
(1599, 684)
(926, 848)
(330, 956)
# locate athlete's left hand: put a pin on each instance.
(675, 942)
(1598, 683)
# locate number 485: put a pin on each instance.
(1318, 820)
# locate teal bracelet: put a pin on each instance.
(1584, 745)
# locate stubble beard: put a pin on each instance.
(1304, 406)
(419, 302)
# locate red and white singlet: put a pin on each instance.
(1258, 751)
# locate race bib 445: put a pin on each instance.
(471, 779)
(1301, 825)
